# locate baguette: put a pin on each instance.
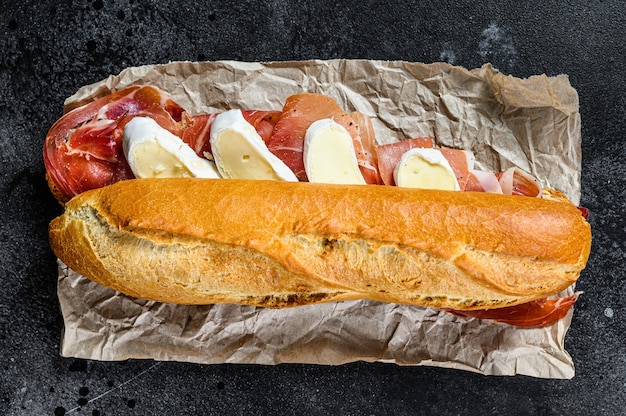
(280, 244)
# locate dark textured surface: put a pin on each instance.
(49, 49)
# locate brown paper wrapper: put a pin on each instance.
(530, 123)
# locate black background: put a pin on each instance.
(50, 49)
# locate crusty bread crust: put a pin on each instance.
(278, 244)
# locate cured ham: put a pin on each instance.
(196, 130)
(388, 155)
(83, 148)
(539, 313)
(461, 162)
(298, 113)
(512, 181)
(515, 181)
(365, 148)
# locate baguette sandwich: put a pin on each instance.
(298, 206)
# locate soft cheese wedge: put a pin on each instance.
(240, 152)
(154, 152)
(425, 169)
(329, 155)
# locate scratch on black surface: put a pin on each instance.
(111, 390)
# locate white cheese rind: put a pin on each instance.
(154, 152)
(329, 155)
(426, 169)
(240, 152)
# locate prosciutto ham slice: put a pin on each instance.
(299, 112)
(388, 155)
(515, 181)
(83, 149)
(461, 162)
(512, 181)
(539, 313)
(197, 129)
(365, 147)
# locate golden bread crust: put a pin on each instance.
(277, 244)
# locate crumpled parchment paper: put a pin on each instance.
(531, 123)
